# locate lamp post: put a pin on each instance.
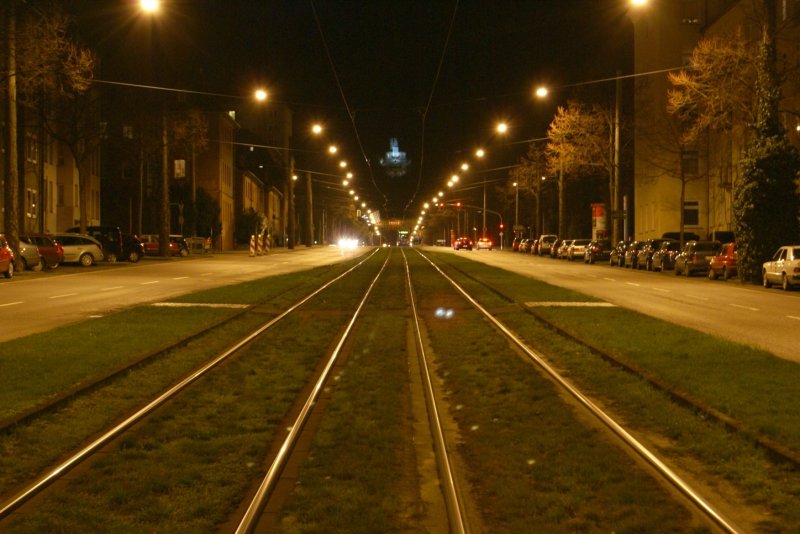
(516, 207)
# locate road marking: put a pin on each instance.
(633, 284)
(206, 274)
(562, 304)
(180, 278)
(793, 317)
(197, 304)
(62, 296)
(610, 279)
(743, 307)
(10, 304)
(112, 288)
(661, 289)
(149, 283)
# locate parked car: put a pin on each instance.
(555, 247)
(525, 245)
(484, 243)
(515, 244)
(617, 255)
(28, 257)
(632, 254)
(177, 245)
(545, 244)
(597, 250)
(723, 264)
(664, 258)
(51, 253)
(695, 257)
(462, 243)
(577, 249)
(116, 245)
(80, 248)
(563, 249)
(644, 259)
(6, 258)
(783, 268)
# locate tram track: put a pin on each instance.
(76, 458)
(346, 348)
(775, 450)
(693, 497)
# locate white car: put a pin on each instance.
(484, 242)
(783, 268)
(577, 249)
(79, 248)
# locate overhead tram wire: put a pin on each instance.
(350, 113)
(428, 107)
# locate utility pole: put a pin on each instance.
(310, 212)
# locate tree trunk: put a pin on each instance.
(163, 233)
(11, 189)
(310, 212)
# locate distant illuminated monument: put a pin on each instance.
(395, 161)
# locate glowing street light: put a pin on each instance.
(332, 149)
(343, 164)
(501, 127)
(261, 95)
(541, 91)
(480, 153)
(465, 166)
(149, 6)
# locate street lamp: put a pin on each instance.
(149, 6)
(516, 207)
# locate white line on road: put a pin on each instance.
(793, 317)
(180, 277)
(633, 284)
(743, 307)
(662, 290)
(10, 304)
(62, 296)
(610, 279)
(112, 288)
(149, 283)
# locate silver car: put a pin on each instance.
(79, 248)
(28, 257)
(783, 268)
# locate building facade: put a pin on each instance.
(693, 183)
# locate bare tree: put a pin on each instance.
(528, 176)
(42, 64)
(580, 144)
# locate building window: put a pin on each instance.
(31, 148)
(690, 162)
(31, 203)
(691, 213)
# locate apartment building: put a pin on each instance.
(673, 179)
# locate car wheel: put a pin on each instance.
(134, 256)
(86, 260)
(22, 265)
(712, 275)
(53, 266)
(764, 279)
(785, 282)
(111, 257)
(10, 272)
(40, 266)
(725, 274)
(185, 252)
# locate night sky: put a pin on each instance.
(386, 55)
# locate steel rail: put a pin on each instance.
(252, 515)
(668, 474)
(455, 509)
(82, 454)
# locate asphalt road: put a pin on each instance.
(764, 318)
(36, 302)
